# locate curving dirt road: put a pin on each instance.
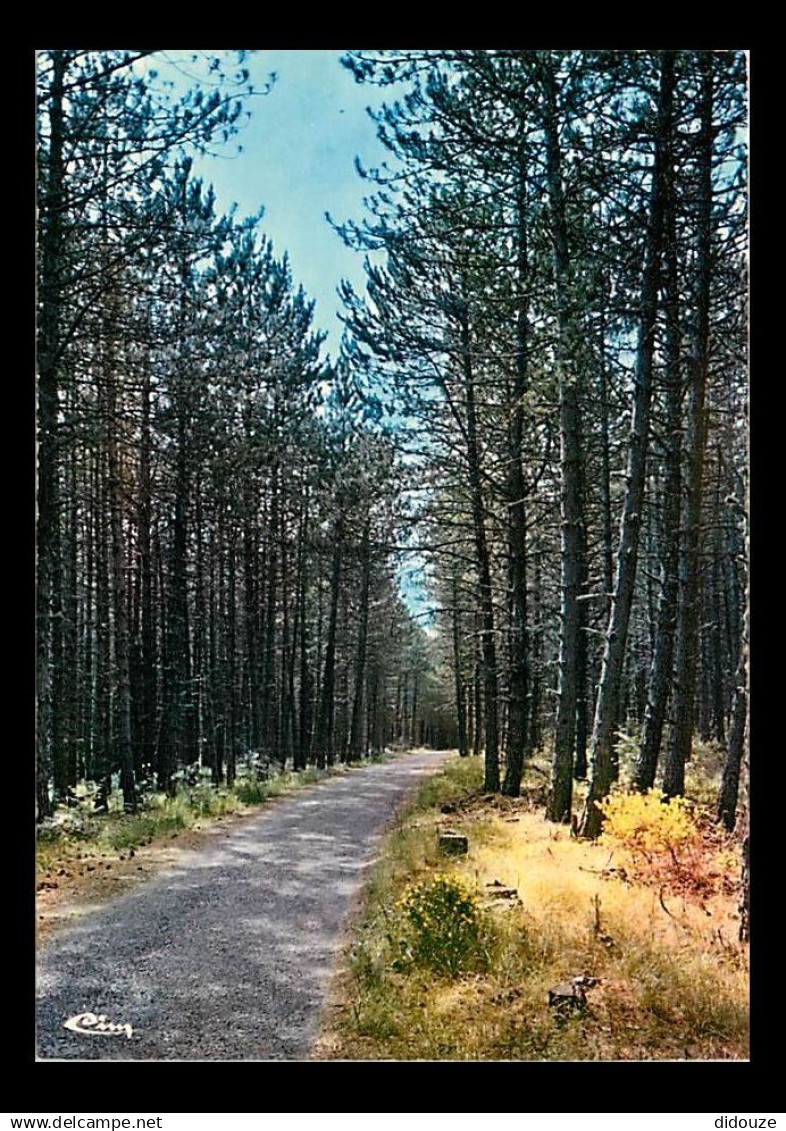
(227, 956)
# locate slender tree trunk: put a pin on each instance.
(251, 618)
(745, 891)
(717, 692)
(537, 657)
(305, 712)
(485, 592)
(355, 749)
(147, 712)
(374, 721)
(477, 700)
(413, 728)
(659, 688)
(516, 744)
(59, 755)
(605, 448)
(582, 663)
(217, 665)
(211, 677)
(47, 557)
(560, 795)
(232, 704)
(71, 613)
(102, 768)
(292, 664)
(473, 742)
(123, 737)
(461, 710)
(199, 633)
(403, 737)
(324, 734)
(269, 698)
(729, 790)
(87, 732)
(737, 746)
(284, 698)
(608, 702)
(683, 700)
(178, 629)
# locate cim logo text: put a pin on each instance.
(91, 1023)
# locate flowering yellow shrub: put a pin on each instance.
(442, 920)
(670, 844)
(647, 825)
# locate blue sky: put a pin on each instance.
(298, 161)
(298, 157)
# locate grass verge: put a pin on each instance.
(65, 848)
(672, 982)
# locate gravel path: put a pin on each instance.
(227, 956)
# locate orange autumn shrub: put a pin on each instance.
(665, 842)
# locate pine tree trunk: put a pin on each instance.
(47, 556)
(87, 734)
(413, 727)
(355, 748)
(485, 592)
(251, 598)
(608, 702)
(210, 757)
(231, 700)
(217, 685)
(177, 628)
(324, 733)
(123, 737)
(102, 768)
(461, 710)
(745, 892)
(292, 663)
(59, 756)
(374, 723)
(727, 799)
(285, 697)
(560, 794)
(269, 698)
(537, 657)
(516, 742)
(147, 711)
(683, 701)
(305, 712)
(659, 688)
(71, 613)
(582, 700)
(605, 448)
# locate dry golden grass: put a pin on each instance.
(673, 981)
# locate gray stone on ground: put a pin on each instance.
(453, 844)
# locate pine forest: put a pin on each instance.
(505, 517)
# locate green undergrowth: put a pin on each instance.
(438, 968)
(80, 831)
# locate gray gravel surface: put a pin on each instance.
(227, 956)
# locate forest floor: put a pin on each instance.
(453, 958)
(227, 950)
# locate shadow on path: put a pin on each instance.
(227, 956)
